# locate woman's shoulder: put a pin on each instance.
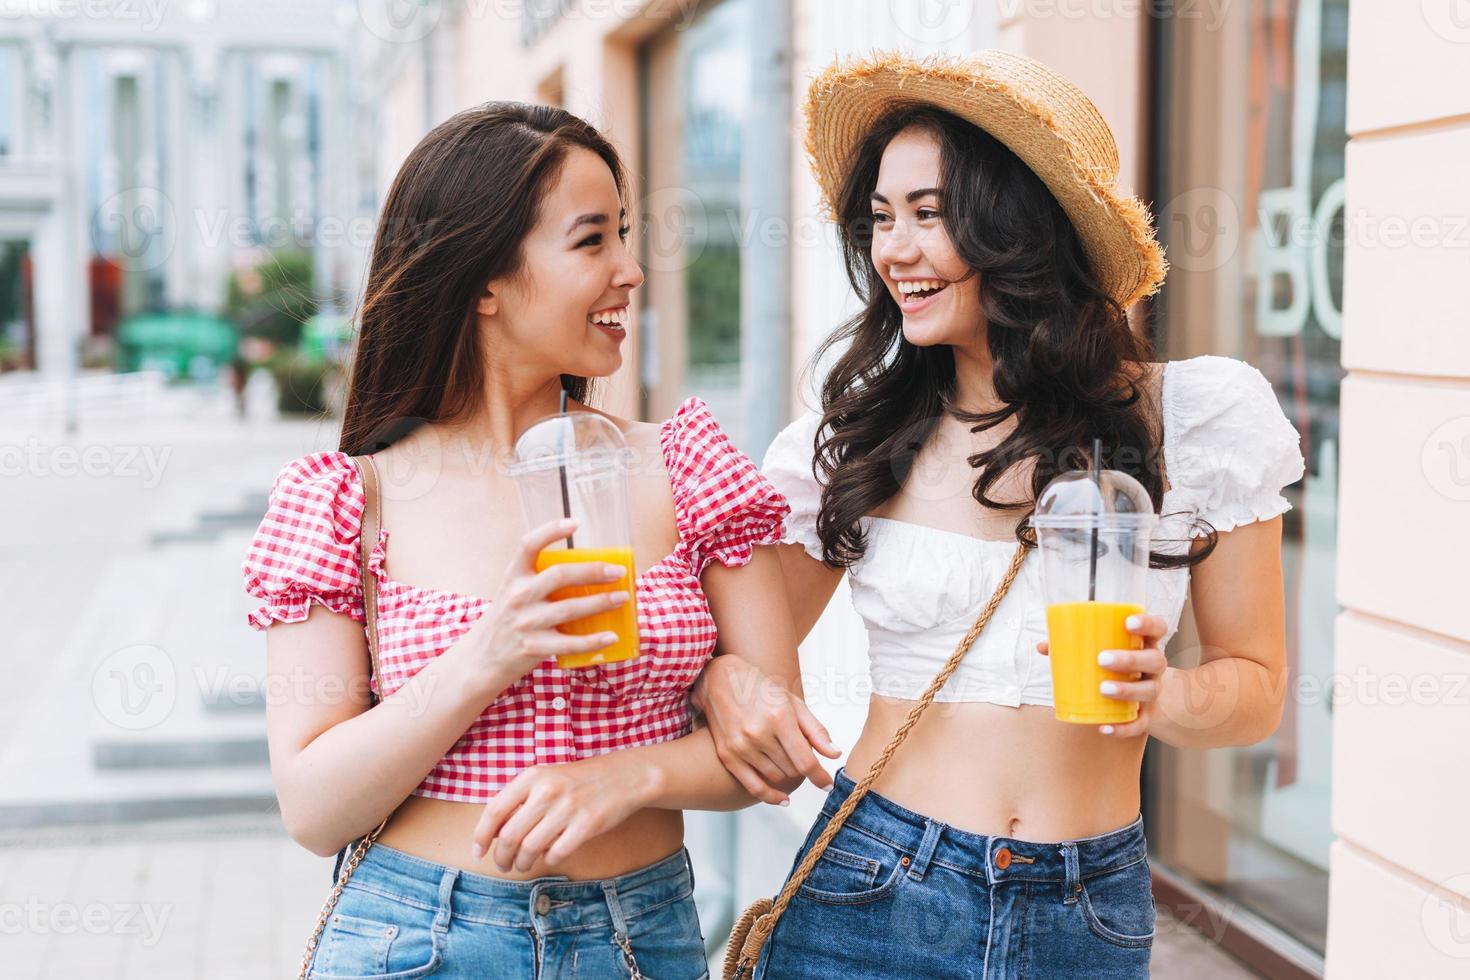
(724, 505)
(1212, 397)
(1227, 440)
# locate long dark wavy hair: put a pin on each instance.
(1059, 345)
(455, 218)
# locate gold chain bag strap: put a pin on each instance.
(371, 520)
(759, 921)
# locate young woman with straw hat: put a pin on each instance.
(995, 257)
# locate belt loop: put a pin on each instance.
(615, 909)
(446, 907)
(689, 864)
(1073, 887)
(932, 830)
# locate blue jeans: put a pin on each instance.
(401, 916)
(897, 894)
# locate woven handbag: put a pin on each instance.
(755, 926)
(371, 521)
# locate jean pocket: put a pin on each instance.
(1119, 906)
(862, 869)
(354, 947)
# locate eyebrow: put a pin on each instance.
(586, 219)
(910, 197)
(593, 219)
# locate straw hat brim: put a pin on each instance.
(998, 92)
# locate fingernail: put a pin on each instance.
(1108, 687)
(1105, 659)
(609, 638)
(785, 802)
(614, 571)
(617, 598)
(1107, 729)
(569, 523)
(1133, 622)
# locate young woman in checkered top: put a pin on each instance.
(536, 823)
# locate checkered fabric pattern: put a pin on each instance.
(306, 550)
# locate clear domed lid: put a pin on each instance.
(583, 442)
(1113, 500)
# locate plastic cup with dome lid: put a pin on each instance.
(576, 465)
(1093, 532)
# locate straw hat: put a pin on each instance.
(1041, 116)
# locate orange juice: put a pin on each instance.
(622, 620)
(1076, 633)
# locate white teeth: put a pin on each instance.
(920, 285)
(611, 318)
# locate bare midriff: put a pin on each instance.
(441, 831)
(1002, 771)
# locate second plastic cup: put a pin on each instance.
(1093, 538)
(577, 465)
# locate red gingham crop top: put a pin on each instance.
(306, 550)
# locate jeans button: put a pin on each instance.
(543, 904)
(1003, 858)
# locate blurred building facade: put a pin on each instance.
(145, 149)
(1234, 122)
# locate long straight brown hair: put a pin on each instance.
(455, 218)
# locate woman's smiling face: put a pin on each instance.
(566, 308)
(938, 294)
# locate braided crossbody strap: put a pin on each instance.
(764, 924)
(372, 520)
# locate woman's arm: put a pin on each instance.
(756, 712)
(339, 767)
(553, 810)
(1236, 694)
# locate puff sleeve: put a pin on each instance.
(723, 505)
(306, 548)
(1234, 449)
(788, 464)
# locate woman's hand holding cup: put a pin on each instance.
(519, 630)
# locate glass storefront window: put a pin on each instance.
(697, 91)
(1250, 166)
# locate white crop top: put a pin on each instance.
(1228, 452)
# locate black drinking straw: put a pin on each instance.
(1097, 481)
(561, 466)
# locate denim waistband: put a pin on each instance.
(548, 904)
(992, 858)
